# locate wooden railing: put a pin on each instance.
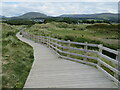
(64, 48)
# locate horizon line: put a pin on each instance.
(61, 14)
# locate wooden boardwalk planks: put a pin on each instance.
(49, 71)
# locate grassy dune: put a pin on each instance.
(92, 33)
(17, 58)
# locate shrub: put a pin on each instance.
(71, 38)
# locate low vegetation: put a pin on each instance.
(19, 22)
(17, 58)
(105, 34)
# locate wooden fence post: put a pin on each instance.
(100, 52)
(35, 40)
(56, 45)
(42, 39)
(116, 74)
(68, 55)
(31, 37)
(85, 48)
(39, 39)
(118, 58)
(22, 34)
(49, 41)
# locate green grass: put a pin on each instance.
(95, 33)
(17, 58)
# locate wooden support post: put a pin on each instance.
(49, 41)
(43, 39)
(68, 55)
(30, 36)
(22, 34)
(39, 39)
(56, 45)
(116, 74)
(118, 58)
(35, 39)
(100, 51)
(85, 47)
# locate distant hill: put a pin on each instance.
(32, 15)
(2, 16)
(107, 16)
(102, 16)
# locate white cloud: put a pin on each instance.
(54, 9)
(60, 0)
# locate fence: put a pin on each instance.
(103, 62)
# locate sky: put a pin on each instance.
(12, 8)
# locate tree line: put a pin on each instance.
(54, 19)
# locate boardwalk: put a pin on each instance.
(49, 71)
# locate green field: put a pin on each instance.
(17, 58)
(105, 34)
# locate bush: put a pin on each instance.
(71, 38)
(20, 22)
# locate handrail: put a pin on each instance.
(109, 50)
(77, 43)
(53, 43)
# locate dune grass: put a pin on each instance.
(92, 33)
(17, 58)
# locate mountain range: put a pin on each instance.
(2, 16)
(29, 15)
(100, 15)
